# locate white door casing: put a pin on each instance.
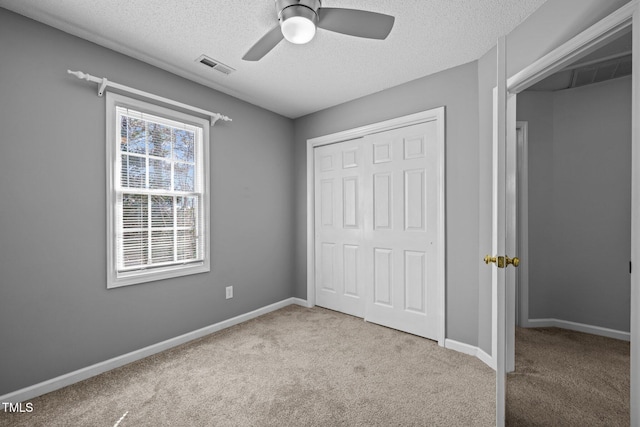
(415, 259)
(522, 289)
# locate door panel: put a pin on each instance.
(352, 278)
(382, 201)
(382, 276)
(327, 261)
(414, 200)
(339, 232)
(326, 202)
(401, 243)
(350, 202)
(414, 281)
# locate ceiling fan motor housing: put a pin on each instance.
(303, 8)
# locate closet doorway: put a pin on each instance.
(377, 230)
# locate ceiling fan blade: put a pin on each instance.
(264, 45)
(353, 22)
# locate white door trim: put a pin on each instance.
(437, 114)
(522, 212)
(585, 42)
(624, 19)
(635, 220)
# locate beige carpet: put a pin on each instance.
(292, 367)
(566, 378)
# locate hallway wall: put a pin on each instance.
(580, 203)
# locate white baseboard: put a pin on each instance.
(460, 347)
(301, 302)
(486, 358)
(537, 323)
(470, 350)
(107, 365)
(579, 327)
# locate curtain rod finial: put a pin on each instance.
(218, 116)
(78, 74)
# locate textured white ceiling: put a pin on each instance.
(292, 80)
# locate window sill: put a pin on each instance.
(117, 280)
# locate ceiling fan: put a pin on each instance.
(298, 20)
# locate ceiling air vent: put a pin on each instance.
(601, 71)
(216, 65)
(587, 73)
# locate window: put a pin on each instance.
(157, 192)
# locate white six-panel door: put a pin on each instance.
(377, 204)
(401, 202)
(339, 227)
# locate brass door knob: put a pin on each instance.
(515, 261)
(488, 259)
(502, 261)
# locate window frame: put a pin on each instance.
(115, 278)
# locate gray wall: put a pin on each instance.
(554, 23)
(456, 89)
(56, 313)
(580, 203)
(537, 109)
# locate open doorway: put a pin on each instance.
(574, 211)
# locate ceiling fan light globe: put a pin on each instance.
(298, 29)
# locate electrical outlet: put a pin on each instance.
(229, 292)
